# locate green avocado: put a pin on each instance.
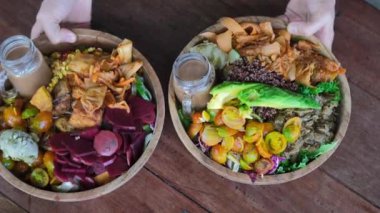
(259, 95)
(225, 92)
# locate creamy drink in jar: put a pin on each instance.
(24, 64)
(193, 77)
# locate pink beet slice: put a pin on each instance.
(89, 133)
(56, 141)
(79, 147)
(106, 143)
(119, 166)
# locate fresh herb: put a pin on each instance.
(147, 128)
(331, 87)
(142, 91)
(185, 119)
(304, 157)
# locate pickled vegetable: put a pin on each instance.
(39, 161)
(48, 161)
(232, 118)
(225, 131)
(276, 142)
(63, 125)
(194, 129)
(228, 142)
(245, 166)
(209, 135)
(12, 117)
(263, 149)
(250, 154)
(238, 144)
(8, 163)
(253, 132)
(292, 129)
(39, 178)
(263, 166)
(29, 112)
(219, 154)
(42, 122)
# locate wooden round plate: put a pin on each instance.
(93, 38)
(342, 123)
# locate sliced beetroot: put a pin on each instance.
(62, 153)
(129, 156)
(137, 145)
(89, 133)
(142, 110)
(106, 143)
(75, 159)
(75, 165)
(89, 159)
(118, 167)
(76, 171)
(88, 182)
(107, 160)
(119, 119)
(80, 147)
(98, 168)
(56, 141)
(61, 159)
(61, 176)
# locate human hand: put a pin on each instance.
(312, 17)
(53, 12)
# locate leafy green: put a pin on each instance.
(185, 119)
(304, 157)
(331, 87)
(142, 91)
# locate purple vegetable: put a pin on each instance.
(252, 175)
(118, 167)
(276, 160)
(119, 119)
(143, 111)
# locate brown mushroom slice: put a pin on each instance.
(224, 41)
(232, 25)
(130, 69)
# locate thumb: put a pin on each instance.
(36, 30)
(56, 34)
(304, 28)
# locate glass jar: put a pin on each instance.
(24, 65)
(193, 77)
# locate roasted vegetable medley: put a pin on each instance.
(87, 127)
(276, 106)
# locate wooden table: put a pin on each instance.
(173, 181)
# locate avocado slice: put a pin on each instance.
(259, 95)
(225, 92)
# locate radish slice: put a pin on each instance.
(106, 143)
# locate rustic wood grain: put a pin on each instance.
(160, 29)
(144, 193)
(7, 205)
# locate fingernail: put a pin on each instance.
(71, 37)
(292, 29)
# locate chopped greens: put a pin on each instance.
(142, 91)
(304, 157)
(331, 87)
(185, 119)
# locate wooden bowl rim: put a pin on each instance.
(156, 89)
(344, 117)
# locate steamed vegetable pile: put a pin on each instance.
(275, 109)
(87, 127)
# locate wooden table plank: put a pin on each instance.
(355, 161)
(144, 193)
(7, 205)
(314, 191)
(174, 180)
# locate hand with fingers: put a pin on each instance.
(312, 17)
(53, 12)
